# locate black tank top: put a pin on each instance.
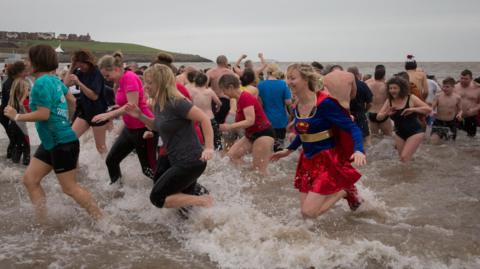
(406, 123)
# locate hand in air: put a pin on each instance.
(133, 110)
(280, 154)
(358, 158)
(207, 154)
(244, 56)
(10, 112)
(260, 55)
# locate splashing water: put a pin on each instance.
(421, 215)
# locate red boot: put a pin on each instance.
(354, 200)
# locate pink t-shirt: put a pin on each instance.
(261, 121)
(130, 82)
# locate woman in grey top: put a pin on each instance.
(174, 117)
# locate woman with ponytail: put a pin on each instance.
(185, 160)
(129, 90)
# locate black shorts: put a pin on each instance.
(362, 123)
(267, 132)
(445, 129)
(79, 113)
(63, 157)
(469, 125)
(221, 114)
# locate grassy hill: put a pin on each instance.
(132, 52)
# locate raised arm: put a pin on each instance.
(263, 64)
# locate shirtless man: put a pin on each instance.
(214, 75)
(341, 85)
(448, 110)
(202, 97)
(470, 94)
(379, 90)
(417, 76)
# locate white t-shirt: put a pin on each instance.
(433, 89)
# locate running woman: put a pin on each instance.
(176, 176)
(18, 130)
(59, 148)
(92, 101)
(129, 91)
(325, 131)
(259, 134)
(403, 108)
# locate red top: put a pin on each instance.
(184, 91)
(261, 121)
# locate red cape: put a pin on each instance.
(343, 139)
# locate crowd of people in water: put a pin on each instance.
(175, 120)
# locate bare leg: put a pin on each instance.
(387, 127)
(34, 174)
(367, 140)
(181, 200)
(262, 151)
(80, 126)
(80, 195)
(411, 146)
(399, 144)
(435, 139)
(316, 204)
(373, 128)
(99, 136)
(238, 150)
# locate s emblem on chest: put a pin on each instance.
(302, 127)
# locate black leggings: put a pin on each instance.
(280, 134)
(469, 125)
(174, 179)
(21, 143)
(222, 113)
(126, 142)
(6, 122)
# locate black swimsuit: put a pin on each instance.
(406, 126)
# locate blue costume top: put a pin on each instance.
(327, 115)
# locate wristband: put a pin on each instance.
(16, 117)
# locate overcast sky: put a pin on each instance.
(285, 30)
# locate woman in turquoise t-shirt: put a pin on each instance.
(59, 148)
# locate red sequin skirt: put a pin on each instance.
(325, 173)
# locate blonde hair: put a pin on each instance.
(315, 81)
(108, 62)
(19, 87)
(164, 82)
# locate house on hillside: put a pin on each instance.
(46, 36)
(85, 37)
(72, 37)
(62, 37)
(12, 35)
